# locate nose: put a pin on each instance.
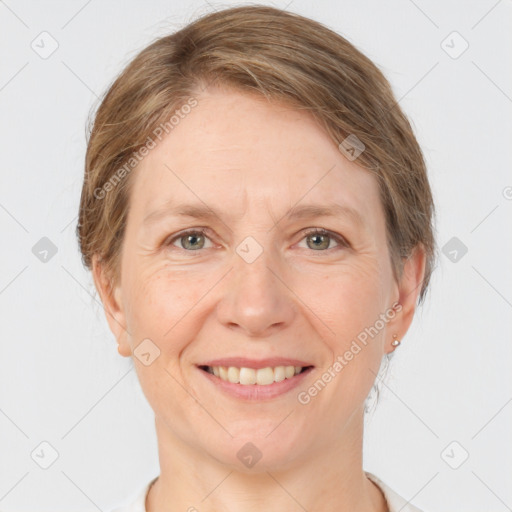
(257, 302)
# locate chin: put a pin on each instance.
(257, 451)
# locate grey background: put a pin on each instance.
(61, 379)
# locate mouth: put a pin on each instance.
(247, 376)
(251, 380)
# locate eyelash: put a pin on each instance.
(311, 231)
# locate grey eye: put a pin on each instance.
(191, 240)
(319, 241)
(194, 242)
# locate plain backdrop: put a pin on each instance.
(440, 435)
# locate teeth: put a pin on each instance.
(264, 376)
(233, 375)
(249, 376)
(279, 373)
(289, 371)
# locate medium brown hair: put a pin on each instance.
(279, 55)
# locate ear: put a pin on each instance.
(111, 298)
(409, 289)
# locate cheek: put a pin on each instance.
(160, 310)
(351, 303)
(346, 298)
(161, 303)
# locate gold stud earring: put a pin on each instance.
(395, 342)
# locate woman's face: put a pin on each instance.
(255, 289)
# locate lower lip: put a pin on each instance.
(256, 392)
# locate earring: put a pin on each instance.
(395, 342)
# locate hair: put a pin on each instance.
(281, 56)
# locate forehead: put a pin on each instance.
(235, 151)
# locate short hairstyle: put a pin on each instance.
(282, 56)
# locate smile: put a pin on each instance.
(251, 380)
(250, 376)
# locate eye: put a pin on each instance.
(194, 239)
(321, 238)
(191, 240)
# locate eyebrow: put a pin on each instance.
(326, 210)
(203, 212)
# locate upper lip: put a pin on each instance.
(243, 362)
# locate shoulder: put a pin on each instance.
(395, 502)
(139, 503)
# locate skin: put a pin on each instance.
(253, 161)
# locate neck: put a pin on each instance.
(330, 481)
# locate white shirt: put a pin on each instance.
(394, 501)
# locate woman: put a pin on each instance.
(257, 218)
